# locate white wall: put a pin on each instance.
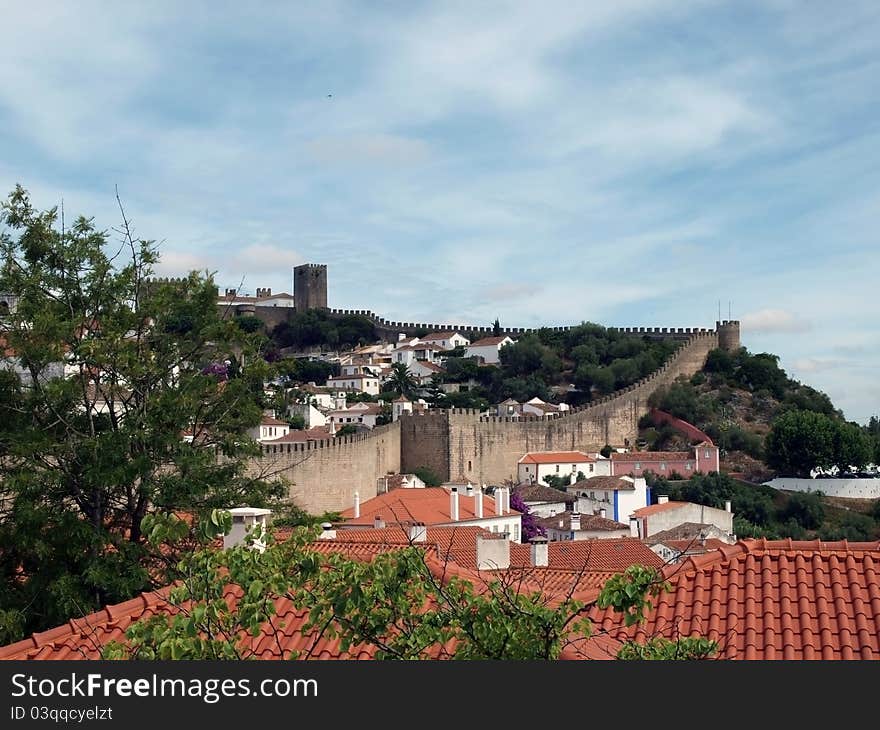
(546, 509)
(364, 385)
(537, 472)
(853, 488)
(312, 416)
(489, 353)
(509, 523)
(557, 535)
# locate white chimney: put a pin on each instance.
(662, 499)
(244, 521)
(378, 522)
(401, 336)
(561, 523)
(478, 503)
(499, 501)
(327, 531)
(728, 506)
(469, 490)
(573, 478)
(634, 526)
(357, 505)
(493, 551)
(539, 552)
(453, 504)
(417, 532)
(506, 500)
(602, 512)
(575, 521)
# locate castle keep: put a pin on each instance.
(458, 444)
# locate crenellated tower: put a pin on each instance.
(310, 287)
(728, 334)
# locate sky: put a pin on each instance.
(630, 163)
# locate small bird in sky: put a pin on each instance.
(329, 95)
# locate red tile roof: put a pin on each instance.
(487, 341)
(694, 545)
(438, 336)
(653, 456)
(269, 421)
(653, 509)
(762, 599)
(429, 506)
(588, 522)
(556, 457)
(319, 433)
(605, 483)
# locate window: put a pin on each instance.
(494, 528)
(573, 468)
(469, 465)
(591, 467)
(638, 465)
(662, 466)
(516, 533)
(688, 466)
(706, 453)
(557, 468)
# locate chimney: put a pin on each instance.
(327, 531)
(378, 522)
(469, 490)
(499, 501)
(401, 337)
(506, 500)
(727, 506)
(248, 521)
(478, 503)
(573, 478)
(453, 504)
(539, 552)
(575, 521)
(561, 523)
(493, 551)
(662, 498)
(602, 512)
(417, 532)
(634, 526)
(357, 505)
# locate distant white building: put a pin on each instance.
(534, 466)
(362, 383)
(402, 405)
(666, 515)
(357, 413)
(270, 428)
(537, 407)
(312, 417)
(488, 348)
(446, 340)
(618, 496)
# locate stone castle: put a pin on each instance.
(456, 444)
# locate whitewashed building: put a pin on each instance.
(488, 348)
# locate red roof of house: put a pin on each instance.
(438, 336)
(653, 509)
(270, 421)
(762, 599)
(319, 433)
(486, 341)
(429, 506)
(556, 457)
(693, 546)
(653, 456)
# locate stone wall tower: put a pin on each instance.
(728, 334)
(310, 287)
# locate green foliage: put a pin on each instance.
(557, 481)
(306, 371)
(90, 455)
(249, 324)
(805, 508)
(606, 451)
(349, 429)
(428, 476)
(658, 648)
(394, 602)
(496, 328)
(401, 380)
(318, 328)
(801, 441)
(297, 422)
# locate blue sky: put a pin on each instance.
(628, 163)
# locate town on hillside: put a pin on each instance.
(525, 475)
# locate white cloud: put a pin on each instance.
(773, 320)
(371, 148)
(816, 364)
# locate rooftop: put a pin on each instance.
(588, 522)
(605, 484)
(652, 456)
(429, 506)
(556, 457)
(653, 509)
(487, 341)
(540, 493)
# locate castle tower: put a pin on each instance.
(728, 335)
(310, 287)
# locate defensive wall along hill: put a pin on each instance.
(324, 475)
(461, 443)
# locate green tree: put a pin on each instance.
(125, 393)
(496, 328)
(800, 441)
(428, 476)
(401, 380)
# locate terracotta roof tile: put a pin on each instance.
(487, 341)
(430, 506)
(649, 456)
(588, 522)
(605, 483)
(653, 509)
(762, 599)
(556, 457)
(541, 493)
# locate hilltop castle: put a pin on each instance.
(458, 443)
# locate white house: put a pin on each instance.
(365, 413)
(436, 507)
(508, 408)
(325, 399)
(577, 526)
(618, 496)
(409, 354)
(666, 515)
(270, 428)
(363, 383)
(537, 407)
(689, 538)
(488, 348)
(424, 371)
(534, 466)
(312, 417)
(446, 340)
(402, 405)
(359, 369)
(398, 481)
